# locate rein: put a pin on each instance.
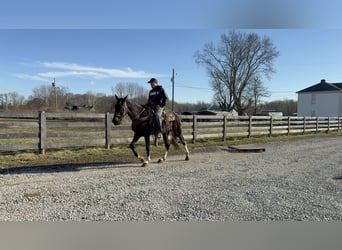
(135, 117)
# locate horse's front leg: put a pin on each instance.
(147, 146)
(167, 147)
(132, 146)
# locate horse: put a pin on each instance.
(144, 125)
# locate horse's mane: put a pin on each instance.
(137, 110)
(134, 104)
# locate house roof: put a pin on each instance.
(322, 86)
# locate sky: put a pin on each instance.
(91, 46)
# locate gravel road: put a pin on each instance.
(291, 180)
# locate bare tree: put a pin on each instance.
(257, 91)
(16, 100)
(46, 95)
(11, 100)
(36, 104)
(233, 63)
(42, 93)
(105, 103)
(223, 97)
(90, 99)
(132, 90)
(4, 101)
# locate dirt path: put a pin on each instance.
(291, 180)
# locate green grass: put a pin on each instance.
(122, 152)
(50, 138)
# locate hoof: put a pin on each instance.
(187, 158)
(160, 160)
(144, 165)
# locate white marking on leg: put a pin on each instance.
(142, 159)
(145, 163)
(165, 156)
(187, 152)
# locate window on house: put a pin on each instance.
(313, 99)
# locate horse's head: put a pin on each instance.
(120, 110)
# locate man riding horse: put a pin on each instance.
(156, 101)
(141, 125)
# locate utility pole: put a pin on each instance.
(55, 90)
(173, 89)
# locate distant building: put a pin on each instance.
(321, 99)
(209, 112)
(271, 113)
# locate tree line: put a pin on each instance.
(43, 99)
(60, 99)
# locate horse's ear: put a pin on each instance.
(125, 97)
(117, 98)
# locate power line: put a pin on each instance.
(188, 87)
(282, 91)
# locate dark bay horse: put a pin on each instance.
(143, 125)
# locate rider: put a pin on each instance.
(156, 100)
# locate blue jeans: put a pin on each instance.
(158, 116)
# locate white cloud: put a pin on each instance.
(61, 74)
(62, 69)
(96, 72)
(32, 77)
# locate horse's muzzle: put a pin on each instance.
(116, 120)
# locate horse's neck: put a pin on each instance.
(134, 109)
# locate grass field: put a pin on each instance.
(122, 153)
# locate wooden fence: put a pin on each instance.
(41, 131)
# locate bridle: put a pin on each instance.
(120, 115)
(124, 109)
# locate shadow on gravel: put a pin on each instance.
(337, 177)
(57, 168)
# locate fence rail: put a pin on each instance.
(41, 131)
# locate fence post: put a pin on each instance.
(194, 129)
(328, 124)
(250, 127)
(304, 125)
(108, 127)
(42, 132)
(224, 127)
(271, 126)
(288, 125)
(317, 124)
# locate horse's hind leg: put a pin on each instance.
(181, 138)
(167, 147)
(177, 132)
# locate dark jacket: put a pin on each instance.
(157, 97)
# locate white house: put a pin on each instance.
(321, 99)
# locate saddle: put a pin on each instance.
(149, 116)
(167, 115)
